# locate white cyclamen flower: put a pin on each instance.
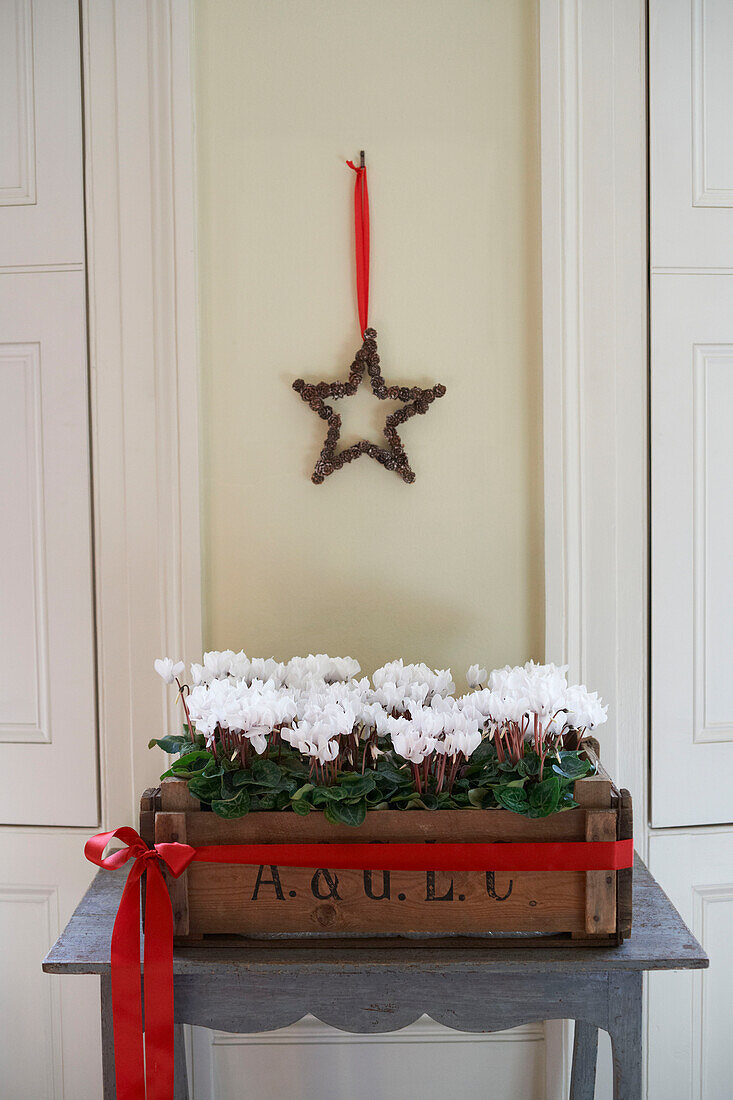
(316, 739)
(198, 674)
(584, 709)
(476, 676)
(218, 664)
(169, 670)
(390, 696)
(443, 682)
(408, 741)
(239, 665)
(257, 736)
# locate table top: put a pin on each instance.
(660, 940)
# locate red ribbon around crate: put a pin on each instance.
(149, 1076)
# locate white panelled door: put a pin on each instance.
(692, 550)
(47, 687)
(691, 392)
(47, 720)
(690, 1012)
(691, 159)
(41, 198)
(49, 1040)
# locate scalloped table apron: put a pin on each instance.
(148, 1075)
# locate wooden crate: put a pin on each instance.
(222, 900)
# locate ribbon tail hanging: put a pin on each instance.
(158, 987)
(126, 992)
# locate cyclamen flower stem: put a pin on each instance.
(185, 708)
(440, 773)
(499, 743)
(454, 770)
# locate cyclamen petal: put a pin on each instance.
(476, 676)
(168, 669)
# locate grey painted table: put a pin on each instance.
(381, 985)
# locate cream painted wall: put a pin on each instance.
(443, 97)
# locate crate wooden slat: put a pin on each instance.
(624, 879)
(222, 900)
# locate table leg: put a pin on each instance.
(625, 1011)
(585, 1053)
(180, 1091)
(109, 1091)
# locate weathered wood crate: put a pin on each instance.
(213, 900)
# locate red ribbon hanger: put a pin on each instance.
(149, 1076)
(361, 232)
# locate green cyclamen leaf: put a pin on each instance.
(205, 788)
(356, 786)
(264, 801)
(388, 769)
(233, 807)
(228, 791)
(545, 796)
(478, 796)
(529, 766)
(325, 796)
(188, 758)
(342, 813)
(242, 778)
(484, 753)
(172, 742)
(572, 766)
(512, 798)
(191, 764)
(378, 795)
(266, 773)
(300, 806)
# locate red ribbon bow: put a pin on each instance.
(151, 1077)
